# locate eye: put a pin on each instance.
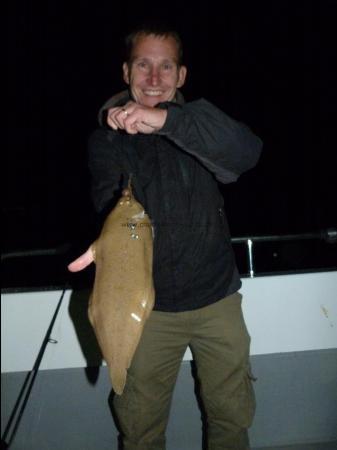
(167, 66)
(142, 65)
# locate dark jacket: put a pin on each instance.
(175, 175)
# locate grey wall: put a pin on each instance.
(296, 403)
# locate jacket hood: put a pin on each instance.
(120, 99)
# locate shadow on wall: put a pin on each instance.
(78, 312)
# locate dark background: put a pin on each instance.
(270, 64)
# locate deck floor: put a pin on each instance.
(317, 446)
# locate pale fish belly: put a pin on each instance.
(123, 292)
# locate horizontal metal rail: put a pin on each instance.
(27, 253)
(328, 235)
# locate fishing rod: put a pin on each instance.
(23, 397)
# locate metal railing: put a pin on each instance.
(51, 251)
(328, 235)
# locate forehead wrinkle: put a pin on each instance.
(153, 59)
(152, 50)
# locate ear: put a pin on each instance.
(126, 77)
(181, 76)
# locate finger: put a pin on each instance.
(128, 110)
(117, 116)
(144, 128)
(112, 123)
(111, 118)
(82, 261)
(120, 118)
(123, 117)
(129, 123)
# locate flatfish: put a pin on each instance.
(123, 293)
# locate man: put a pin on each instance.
(177, 152)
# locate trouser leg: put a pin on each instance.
(220, 347)
(143, 408)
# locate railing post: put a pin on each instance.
(250, 258)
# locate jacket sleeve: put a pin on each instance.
(224, 146)
(105, 167)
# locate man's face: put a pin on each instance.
(153, 73)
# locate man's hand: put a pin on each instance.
(82, 261)
(135, 118)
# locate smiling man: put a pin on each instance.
(177, 153)
(153, 73)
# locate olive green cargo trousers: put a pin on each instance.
(219, 342)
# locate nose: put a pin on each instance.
(154, 76)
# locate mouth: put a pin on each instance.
(153, 93)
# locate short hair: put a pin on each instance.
(156, 29)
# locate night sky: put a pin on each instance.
(270, 64)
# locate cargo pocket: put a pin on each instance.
(250, 398)
(242, 404)
(236, 407)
